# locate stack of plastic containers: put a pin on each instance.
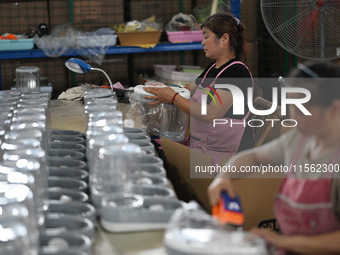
(127, 181)
(49, 178)
(71, 219)
(37, 184)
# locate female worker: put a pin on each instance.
(307, 205)
(224, 42)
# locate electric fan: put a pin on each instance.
(306, 28)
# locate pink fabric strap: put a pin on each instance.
(205, 75)
(233, 63)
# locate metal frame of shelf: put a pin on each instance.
(37, 53)
(162, 47)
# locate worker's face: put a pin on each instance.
(316, 124)
(211, 44)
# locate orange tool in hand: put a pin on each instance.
(229, 210)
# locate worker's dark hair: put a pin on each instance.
(321, 78)
(221, 23)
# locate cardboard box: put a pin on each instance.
(257, 195)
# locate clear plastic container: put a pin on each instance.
(27, 78)
(192, 231)
(17, 205)
(16, 241)
(94, 145)
(174, 122)
(118, 164)
(32, 168)
(92, 94)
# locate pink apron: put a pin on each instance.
(222, 140)
(304, 206)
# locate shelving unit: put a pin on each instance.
(126, 64)
(37, 53)
(163, 47)
(88, 16)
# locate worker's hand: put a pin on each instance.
(161, 94)
(273, 238)
(217, 186)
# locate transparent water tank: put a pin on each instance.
(174, 122)
(192, 231)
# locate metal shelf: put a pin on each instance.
(37, 53)
(162, 47)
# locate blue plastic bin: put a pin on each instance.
(20, 44)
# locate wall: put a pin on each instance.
(265, 58)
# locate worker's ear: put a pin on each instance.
(224, 41)
(336, 108)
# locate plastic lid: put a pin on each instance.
(27, 69)
(139, 90)
(120, 150)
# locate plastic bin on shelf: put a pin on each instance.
(139, 38)
(185, 36)
(19, 44)
(169, 72)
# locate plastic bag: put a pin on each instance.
(61, 39)
(136, 116)
(64, 38)
(133, 26)
(182, 22)
(93, 45)
(149, 24)
(153, 113)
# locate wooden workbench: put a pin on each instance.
(70, 115)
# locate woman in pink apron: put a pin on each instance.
(224, 43)
(307, 206)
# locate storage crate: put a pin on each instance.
(19, 44)
(185, 36)
(139, 38)
(169, 72)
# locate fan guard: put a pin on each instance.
(306, 28)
